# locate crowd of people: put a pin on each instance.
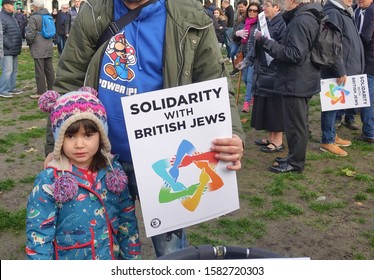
(282, 79)
(17, 27)
(186, 47)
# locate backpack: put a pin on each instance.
(48, 27)
(327, 48)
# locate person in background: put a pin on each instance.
(364, 18)
(174, 45)
(222, 22)
(340, 14)
(80, 207)
(267, 113)
(298, 78)
(41, 50)
(73, 12)
(349, 119)
(247, 48)
(230, 15)
(12, 46)
(209, 7)
(54, 13)
(1, 42)
(61, 20)
(236, 40)
(22, 21)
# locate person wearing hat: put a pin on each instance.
(80, 206)
(41, 50)
(12, 45)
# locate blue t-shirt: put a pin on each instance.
(131, 64)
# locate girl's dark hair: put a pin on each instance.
(99, 161)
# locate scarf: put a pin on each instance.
(340, 4)
(249, 22)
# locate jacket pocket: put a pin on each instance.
(75, 246)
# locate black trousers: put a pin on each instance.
(44, 74)
(296, 124)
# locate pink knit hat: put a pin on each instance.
(66, 109)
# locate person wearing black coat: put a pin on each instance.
(267, 112)
(366, 30)
(61, 20)
(298, 79)
(22, 21)
(12, 44)
(340, 14)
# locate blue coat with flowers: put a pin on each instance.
(96, 224)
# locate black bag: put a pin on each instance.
(327, 48)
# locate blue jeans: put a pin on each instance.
(367, 113)
(234, 50)
(328, 127)
(349, 115)
(247, 78)
(228, 36)
(61, 41)
(165, 243)
(9, 67)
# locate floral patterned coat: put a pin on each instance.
(96, 224)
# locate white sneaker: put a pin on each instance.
(16, 91)
(6, 94)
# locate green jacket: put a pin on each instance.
(191, 51)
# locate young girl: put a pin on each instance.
(80, 207)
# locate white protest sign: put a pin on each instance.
(354, 94)
(266, 33)
(170, 132)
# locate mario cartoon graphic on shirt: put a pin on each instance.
(122, 54)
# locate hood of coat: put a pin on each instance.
(314, 8)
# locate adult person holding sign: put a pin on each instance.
(170, 43)
(340, 13)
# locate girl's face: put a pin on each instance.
(81, 147)
(216, 14)
(252, 11)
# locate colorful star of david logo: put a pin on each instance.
(337, 94)
(169, 170)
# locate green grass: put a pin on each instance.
(7, 185)
(12, 220)
(323, 207)
(23, 137)
(282, 209)
(28, 180)
(36, 116)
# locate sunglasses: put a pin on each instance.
(252, 11)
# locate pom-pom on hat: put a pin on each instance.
(66, 109)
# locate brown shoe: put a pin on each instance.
(342, 143)
(35, 96)
(333, 149)
(364, 139)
